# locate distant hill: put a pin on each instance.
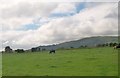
(90, 42)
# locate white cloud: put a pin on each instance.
(91, 21)
(16, 14)
(19, 13)
(65, 8)
(14, 23)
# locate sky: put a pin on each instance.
(29, 23)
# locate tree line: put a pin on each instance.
(9, 50)
(111, 44)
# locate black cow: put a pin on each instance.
(116, 47)
(52, 51)
(20, 51)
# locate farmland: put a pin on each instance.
(0, 64)
(72, 62)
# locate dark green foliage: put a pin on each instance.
(8, 49)
(19, 51)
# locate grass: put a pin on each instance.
(74, 62)
(0, 65)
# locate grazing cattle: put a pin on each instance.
(52, 51)
(20, 51)
(116, 47)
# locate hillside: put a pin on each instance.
(90, 42)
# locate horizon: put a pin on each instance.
(34, 23)
(63, 42)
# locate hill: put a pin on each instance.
(89, 41)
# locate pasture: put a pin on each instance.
(0, 64)
(73, 62)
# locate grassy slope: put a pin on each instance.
(76, 62)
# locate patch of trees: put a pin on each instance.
(111, 44)
(83, 46)
(19, 51)
(71, 47)
(8, 49)
(35, 49)
(43, 49)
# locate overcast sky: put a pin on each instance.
(29, 23)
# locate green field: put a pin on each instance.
(0, 65)
(73, 62)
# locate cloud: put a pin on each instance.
(65, 8)
(95, 20)
(26, 9)
(21, 13)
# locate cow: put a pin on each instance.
(116, 47)
(19, 51)
(52, 51)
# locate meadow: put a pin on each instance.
(73, 62)
(0, 64)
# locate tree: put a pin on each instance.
(8, 49)
(43, 49)
(107, 44)
(115, 44)
(20, 51)
(33, 49)
(103, 45)
(71, 47)
(81, 46)
(85, 46)
(111, 44)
